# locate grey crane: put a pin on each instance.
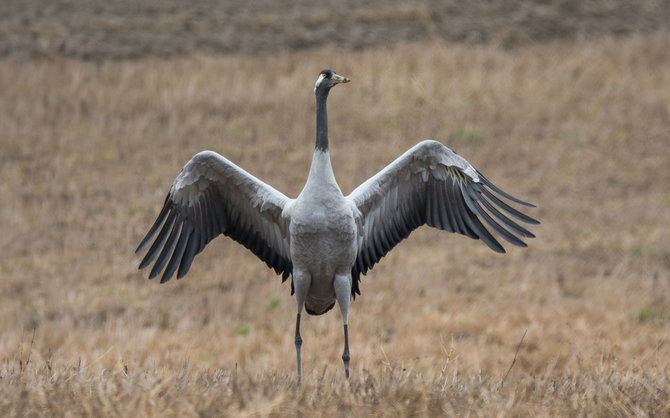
(323, 239)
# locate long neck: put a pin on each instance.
(321, 171)
(321, 121)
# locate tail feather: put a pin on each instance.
(317, 312)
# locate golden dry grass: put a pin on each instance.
(581, 129)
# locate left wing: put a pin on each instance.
(213, 196)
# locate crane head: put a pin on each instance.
(327, 79)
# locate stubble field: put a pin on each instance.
(579, 128)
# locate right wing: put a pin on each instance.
(430, 184)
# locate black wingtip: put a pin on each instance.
(503, 193)
(145, 262)
(156, 225)
(146, 240)
(166, 276)
(495, 246)
(504, 206)
(531, 221)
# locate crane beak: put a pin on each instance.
(337, 79)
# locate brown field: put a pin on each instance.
(123, 29)
(579, 128)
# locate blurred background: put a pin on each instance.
(98, 30)
(562, 103)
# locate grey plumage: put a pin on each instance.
(323, 239)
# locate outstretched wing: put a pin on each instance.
(430, 184)
(213, 196)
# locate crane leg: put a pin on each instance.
(343, 293)
(301, 283)
(345, 356)
(298, 344)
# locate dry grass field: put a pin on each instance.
(88, 151)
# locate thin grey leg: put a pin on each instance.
(346, 357)
(298, 344)
(301, 283)
(343, 293)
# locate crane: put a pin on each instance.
(323, 239)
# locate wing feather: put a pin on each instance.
(430, 184)
(154, 228)
(192, 248)
(178, 254)
(213, 196)
(162, 236)
(167, 249)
